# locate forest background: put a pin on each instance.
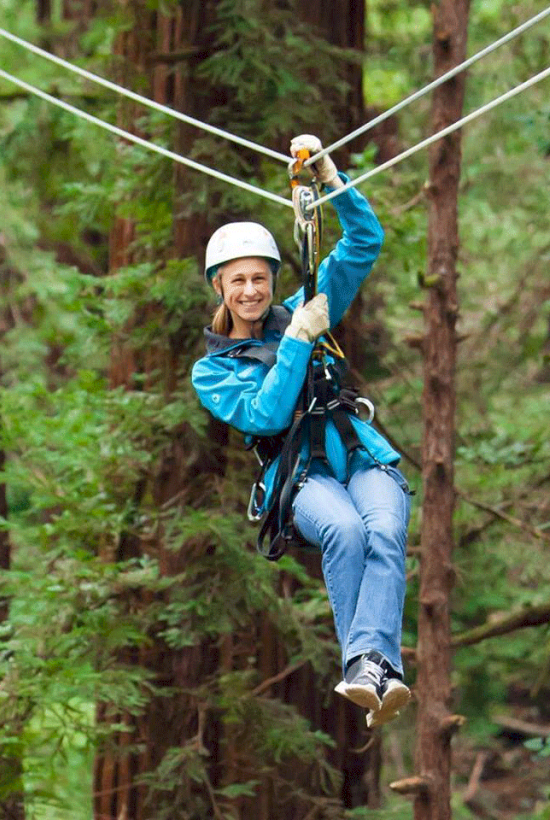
(152, 666)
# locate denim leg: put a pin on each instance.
(325, 516)
(362, 532)
(382, 499)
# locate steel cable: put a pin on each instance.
(248, 143)
(437, 136)
(143, 142)
(254, 189)
(430, 87)
(125, 92)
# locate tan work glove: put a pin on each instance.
(325, 169)
(310, 320)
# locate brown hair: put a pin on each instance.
(221, 322)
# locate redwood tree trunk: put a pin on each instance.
(435, 723)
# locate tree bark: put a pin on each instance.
(342, 23)
(43, 12)
(433, 746)
(528, 616)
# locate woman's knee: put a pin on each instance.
(347, 533)
(389, 529)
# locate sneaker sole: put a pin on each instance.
(362, 696)
(376, 719)
(394, 700)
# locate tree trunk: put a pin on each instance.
(166, 722)
(342, 23)
(43, 12)
(435, 723)
(173, 722)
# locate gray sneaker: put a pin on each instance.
(364, 681)
(395, 695)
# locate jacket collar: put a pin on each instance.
(275, 322)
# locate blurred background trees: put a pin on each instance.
(152, 665)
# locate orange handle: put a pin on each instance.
(301, 157)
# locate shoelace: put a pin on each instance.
(372, 669)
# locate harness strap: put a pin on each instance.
(317, 427)
(278, 520)
(324, 402)
(347, 432)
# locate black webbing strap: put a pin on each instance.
(319, 401)
(347, 432)
(318, 398)
(277, 524)
(317, 429)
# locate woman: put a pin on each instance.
(355, 510)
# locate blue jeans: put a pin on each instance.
(361, 529)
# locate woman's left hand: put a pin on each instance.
(310, 320)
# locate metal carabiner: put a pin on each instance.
(368, 404)
(307, 223)
(307, 234)
(252, 510)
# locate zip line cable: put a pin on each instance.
(144, 143)
(255, 146)
(125, 92)
(437, 82)
(248, 143)
(437, 136)
(252, 188)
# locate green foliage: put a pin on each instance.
(538, 745)
(84, 456)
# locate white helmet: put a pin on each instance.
(236, 241)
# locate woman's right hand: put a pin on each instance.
(310, 320)
(325, 169)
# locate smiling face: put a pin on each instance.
(246, 286)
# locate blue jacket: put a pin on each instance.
(260, 400)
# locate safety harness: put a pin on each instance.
(324, 397)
